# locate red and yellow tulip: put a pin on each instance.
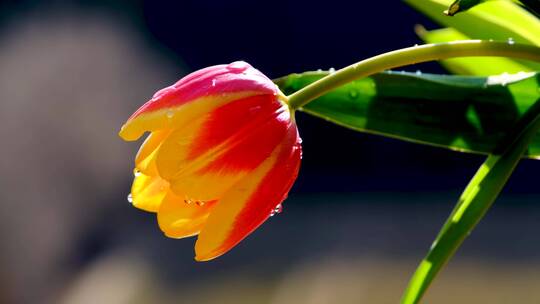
(222, 154)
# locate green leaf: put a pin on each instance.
(497, 19)
(482, 66)
(463, 113)
(473, 204)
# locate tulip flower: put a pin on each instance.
(222, 154)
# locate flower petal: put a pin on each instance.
(147, 192)
(145, 161)
(196, 94)
(249, 203)
(174, 117)
(204, 159)
(178, 219)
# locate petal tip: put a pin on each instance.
(207, 256)
(127, 134)
(203, 254)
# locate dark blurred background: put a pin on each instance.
(362, 213)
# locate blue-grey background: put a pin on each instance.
(362, 213)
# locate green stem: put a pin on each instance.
(411, 55)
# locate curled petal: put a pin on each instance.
(249, 203)
(145, 161)
(147, 192)
(196, 94)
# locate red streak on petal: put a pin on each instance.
(250, 127)
(271, 192)
(211, 81)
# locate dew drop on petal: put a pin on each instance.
(136, 172)
(238, 66)
(170, 114)
(130, 198)
(213, 82)
(276, 210)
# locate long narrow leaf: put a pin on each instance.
(476, 199)
(480, 66)
(498, 19)
(463, 113)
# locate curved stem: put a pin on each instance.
(411, 55)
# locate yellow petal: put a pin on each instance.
(178, 217)
(147, 192)
(145, 161)
(185, 174)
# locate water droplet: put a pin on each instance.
(416, 44)
(130, 198)
(511, 41)
(136, 172)
(418, 72)
(276, 210)
(504, 79)
(353, 94)
(213, 82)
(238, 66)
(331, 70)
(190, 201)
(170, 114)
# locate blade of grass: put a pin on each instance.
(473, 204)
